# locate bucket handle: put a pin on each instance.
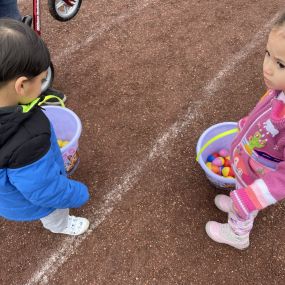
(46, 98)
(221, 135)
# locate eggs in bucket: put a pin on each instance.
(220, 163)
(67, 127)
(213, 145)
(62, 143)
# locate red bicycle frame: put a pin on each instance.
(37, 14)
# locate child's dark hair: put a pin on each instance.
(22, 51)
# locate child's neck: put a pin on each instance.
(7, 98)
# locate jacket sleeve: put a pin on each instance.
(264, 191)
(261, 193)
(242, 122)
(44, 184)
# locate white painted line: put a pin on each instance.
(161, 147)
(99, 32)
(214, 84)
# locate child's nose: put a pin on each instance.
(268, 66)
(268, 69)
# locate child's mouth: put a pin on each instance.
(267, 82)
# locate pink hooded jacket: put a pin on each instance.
(258, 156)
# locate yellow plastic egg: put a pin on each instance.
(64, 143)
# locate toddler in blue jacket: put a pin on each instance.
(33, 182)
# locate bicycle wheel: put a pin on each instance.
(49, 78)
(64, 10)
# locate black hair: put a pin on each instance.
(22, 51)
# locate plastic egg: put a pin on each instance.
(64, 143)
(59, 143)
(210, 158)
(227, 171)
(224, 152)
(216, 169)
(213, 167)
(227, 162)
(215, 154)
(219, 161)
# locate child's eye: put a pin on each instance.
(267, 53)
(281, 65)
(44, 80)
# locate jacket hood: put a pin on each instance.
(10, 120)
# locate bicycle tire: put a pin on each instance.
(61, 16)
(50, 78)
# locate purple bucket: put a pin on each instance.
(67, 127)
(216, 145)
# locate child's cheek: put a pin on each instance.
(281, 82)
(281, 87)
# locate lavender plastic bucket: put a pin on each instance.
(224, 142)
(67, 127)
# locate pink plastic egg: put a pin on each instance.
(224, 152)
(218, 161)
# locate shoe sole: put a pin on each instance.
(214, 238)
(79, 233)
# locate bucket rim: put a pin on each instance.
(78, 123)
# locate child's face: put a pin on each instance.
(274, 61)
(31, 89)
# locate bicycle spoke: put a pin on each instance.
(65, 8)
(60, 4)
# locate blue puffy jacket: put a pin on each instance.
(33, 182)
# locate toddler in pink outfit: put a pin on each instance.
(257, 152)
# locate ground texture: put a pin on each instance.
(146, 78)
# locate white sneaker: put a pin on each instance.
(223, 233)
(223, 203)
(76, 226)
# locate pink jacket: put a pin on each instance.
(258, 154)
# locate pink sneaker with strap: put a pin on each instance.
(222, 233)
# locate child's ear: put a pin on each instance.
(21, 85)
